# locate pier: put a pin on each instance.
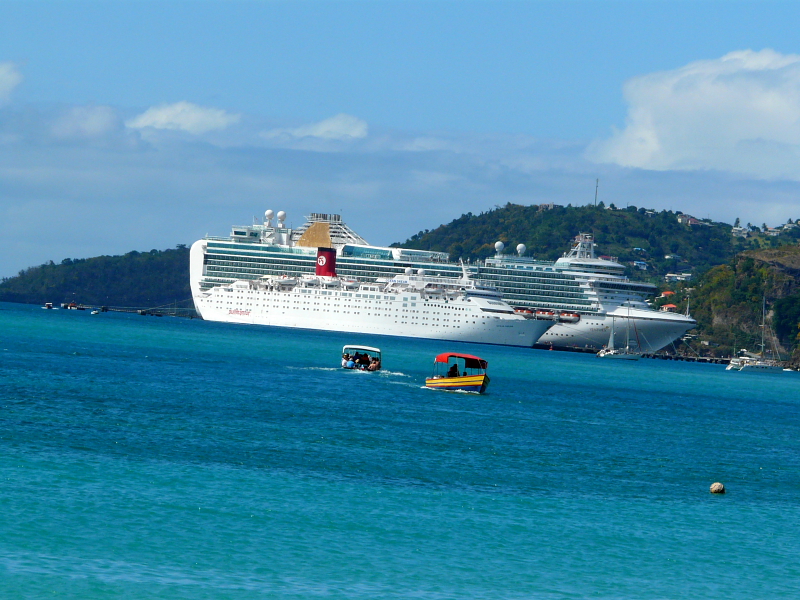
(170, 310)
(711, 360)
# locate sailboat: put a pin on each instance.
(625, 353)
(757, 364)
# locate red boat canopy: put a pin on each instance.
(470, 362)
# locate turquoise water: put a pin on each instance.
(146, 457)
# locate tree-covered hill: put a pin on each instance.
(136, 279)
(727, 301)
(631, 234)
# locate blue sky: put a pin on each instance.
(138, 125)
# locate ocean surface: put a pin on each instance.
(145, 457)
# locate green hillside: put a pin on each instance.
(727, 302)
(631, 234)
(136, 279)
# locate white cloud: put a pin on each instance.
(339, 127)
(739, 113)
(86, 122)
(184, 116)
(9, 79)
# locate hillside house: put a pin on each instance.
(741, 232)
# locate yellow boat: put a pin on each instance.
(459, 372)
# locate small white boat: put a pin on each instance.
(95, 312)
(49, 306)
(361, 358)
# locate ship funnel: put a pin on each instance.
(326, 262)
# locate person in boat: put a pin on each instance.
(453, 371)
(345, 358)
(374, 365)
(350, 363)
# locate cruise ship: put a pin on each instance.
(410, 305)
(585, 293)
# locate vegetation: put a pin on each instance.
(630, 234)
(727, 302)
(136, 279)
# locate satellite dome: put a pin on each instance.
(499, 246)
(421, 272)
(281, 215)
(409, 270)
(269, 214)
(521, 249)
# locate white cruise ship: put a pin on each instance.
(410, 305)
(587, 294)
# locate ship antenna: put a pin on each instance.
(596, 186)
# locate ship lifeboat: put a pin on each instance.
(567, 317)
(523, 311)
(545, 314)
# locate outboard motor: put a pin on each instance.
(326, 262)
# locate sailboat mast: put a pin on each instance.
(628, 330)
(763, 322)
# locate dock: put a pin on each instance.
(711, 360)
(157, 311)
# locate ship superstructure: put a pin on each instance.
(587, 292)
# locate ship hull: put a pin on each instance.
(523, 333)
(650, 330)
(469, 383)
(370, 310)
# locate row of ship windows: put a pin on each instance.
(298, 255)
(306, 263)
(366, 298)
(230, 303)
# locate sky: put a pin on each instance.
(131, 125)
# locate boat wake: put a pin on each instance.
(393, 374)
(425, 387)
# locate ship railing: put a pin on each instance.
(448, 281)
